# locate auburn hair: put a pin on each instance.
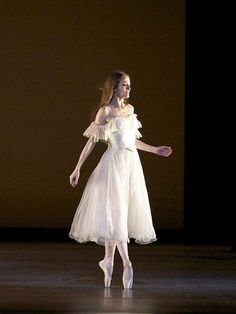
(111, 83)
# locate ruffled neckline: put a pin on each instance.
(102, 131)
(123, 122)
(121, 115)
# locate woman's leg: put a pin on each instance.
(107, 263)
(109, 252)
(123, 250)
(128, 270)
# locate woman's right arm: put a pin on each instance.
(74, 177)
(100, 119)
(85, 152)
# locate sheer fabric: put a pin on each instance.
(115, 204)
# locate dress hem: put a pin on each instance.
(102, 242)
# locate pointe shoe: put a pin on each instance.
(107, 273)
(128, 280)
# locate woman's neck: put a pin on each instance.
(117, 103)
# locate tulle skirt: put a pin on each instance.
(115, 204)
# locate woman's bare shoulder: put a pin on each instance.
(131, 108)
(102, 115)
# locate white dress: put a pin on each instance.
(115, 204)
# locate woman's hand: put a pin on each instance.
(74, 177)
(163, 151)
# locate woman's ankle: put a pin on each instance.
(127, 263)
(108, 261)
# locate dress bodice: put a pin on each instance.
(118, 132)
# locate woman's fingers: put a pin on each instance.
(169, 151)
(72, 180)
(166, 151)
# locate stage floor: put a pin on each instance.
(64, 277)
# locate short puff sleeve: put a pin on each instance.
(97, 131)
(138, 126)
(138, 134)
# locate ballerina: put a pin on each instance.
(115, 206)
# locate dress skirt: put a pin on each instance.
(115, 204)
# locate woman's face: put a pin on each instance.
(123, 88)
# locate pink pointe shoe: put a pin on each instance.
(128, 276)
(107, 269)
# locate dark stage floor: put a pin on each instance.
(61, 277)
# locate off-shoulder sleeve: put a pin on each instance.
(138, 134)
(97, 131)
(138, 125)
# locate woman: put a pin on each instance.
(115, 206)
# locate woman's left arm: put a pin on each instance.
(160, 150)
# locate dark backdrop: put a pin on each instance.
(54, 57)
(209, 123)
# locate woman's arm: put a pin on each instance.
(89, 146)
(160, 150)
(101, 117)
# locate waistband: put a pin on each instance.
(131, 148)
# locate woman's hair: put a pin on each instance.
(111, 83)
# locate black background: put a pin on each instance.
(209, 124)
